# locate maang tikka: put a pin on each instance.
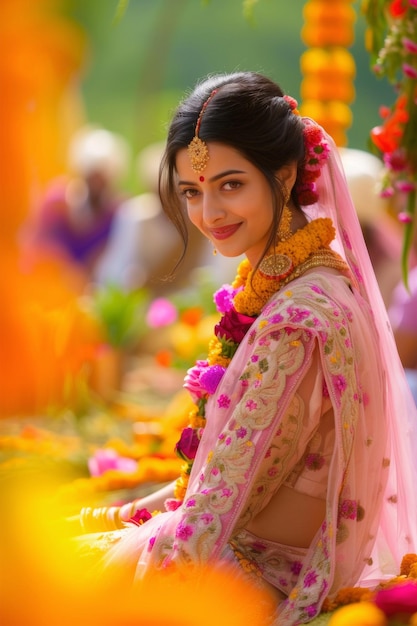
(197, 148)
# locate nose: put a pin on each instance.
(213, 211)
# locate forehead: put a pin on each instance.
(221, 157)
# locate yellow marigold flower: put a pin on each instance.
(360, 614)
(219, 360)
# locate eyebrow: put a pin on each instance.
(213, 178)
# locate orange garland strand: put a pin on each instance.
(328, 67)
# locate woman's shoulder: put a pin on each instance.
(311, 300)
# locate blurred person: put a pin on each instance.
(380, 230)
(75, 216)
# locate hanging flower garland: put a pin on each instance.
(328, 67)
(392, 43)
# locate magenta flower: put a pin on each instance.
(401, 598)
(405, 218)
(409, 71)
(107, 459)
(211, 377)
(140, 517)
(161, 313)
(223, 298)
(187, 446)
(405, 186)
(409, 44)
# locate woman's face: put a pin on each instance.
(230, 202)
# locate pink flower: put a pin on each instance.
(223, 298)
(140, 517)
(401, 598)
(192, 380)
(172, 504)
(405, 186)
(211, 377)
(161, 313)
(409, 44)
(187, 445)
(107, 459)
(409, 70)
(405, 218)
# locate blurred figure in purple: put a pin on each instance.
(76, 214)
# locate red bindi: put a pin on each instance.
(201, 179)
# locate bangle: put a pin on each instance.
(100, 519)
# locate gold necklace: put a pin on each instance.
(308, 247)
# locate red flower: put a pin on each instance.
(233, 326)
(140, 517)
(187, 445)
(398, 8)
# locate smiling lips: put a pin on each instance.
(225, 232)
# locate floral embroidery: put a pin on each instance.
(314, 461)
(223, 401)
(348, 509)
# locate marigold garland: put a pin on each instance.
(328, 67)
(317, 235)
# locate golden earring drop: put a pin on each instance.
(284, 228)
(214, 251)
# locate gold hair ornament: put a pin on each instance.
(197, 148)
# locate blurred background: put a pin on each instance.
(141, 59)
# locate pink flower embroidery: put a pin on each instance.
(223, 401)
(348, 509)
(314, 461)
(184, 531)
(251, 405)
(340, 382)
(310, 579)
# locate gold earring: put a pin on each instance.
(284, 228)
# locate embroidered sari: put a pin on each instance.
(321, 348)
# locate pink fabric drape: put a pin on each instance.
(371, 507)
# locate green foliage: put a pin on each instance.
(121, 314)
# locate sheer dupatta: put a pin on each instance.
(397, 534)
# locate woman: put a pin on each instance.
(299, 477)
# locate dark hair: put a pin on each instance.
(248, 112)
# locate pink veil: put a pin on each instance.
(397, 534)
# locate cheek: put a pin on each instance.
(194, 214)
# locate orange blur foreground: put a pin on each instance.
(43, 584)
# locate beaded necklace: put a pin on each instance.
(240, 304)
